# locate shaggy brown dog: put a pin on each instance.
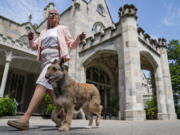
(72, 95)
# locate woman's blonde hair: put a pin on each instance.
(48, 26)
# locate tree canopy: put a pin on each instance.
(173, 49)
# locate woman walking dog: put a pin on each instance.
(53, 43)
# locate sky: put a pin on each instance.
(159, 18)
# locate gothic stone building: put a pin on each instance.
(112, 57)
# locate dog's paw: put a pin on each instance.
(88, 127)
(97, 124)
(63, 128)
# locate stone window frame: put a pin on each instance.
(28, 28)
(100, 9)
(96, 25)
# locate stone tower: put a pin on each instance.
(133, 107)
(136, 46)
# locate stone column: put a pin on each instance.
(121, 87)
(5, 74)
(161, 101)
(82, 73)
(167, 80)
(134, 106)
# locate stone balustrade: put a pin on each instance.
(16, 44)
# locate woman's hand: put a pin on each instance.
(82, 36)
(30, 36)
(66, 59)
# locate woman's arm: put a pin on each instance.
(70, 41)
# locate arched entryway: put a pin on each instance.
(101, 80)
(102, 71)
(148, 68)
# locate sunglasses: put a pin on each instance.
(55, 14)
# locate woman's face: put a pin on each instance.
(53, 18)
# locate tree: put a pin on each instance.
(173, 50)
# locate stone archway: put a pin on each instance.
(101, 80)
(148, 68)
(149, 63)
(101, 70)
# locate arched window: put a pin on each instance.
(98, 27)
(100, 10)
(23, 39)
(28, 29)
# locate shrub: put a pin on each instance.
(177, 107)
(7, 106)
(151, 110)
(48, 105)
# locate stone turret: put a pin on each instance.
(29, 18)
(128, 11)
(162, 42)
(47, 8)
(77, 4)
(133, 106)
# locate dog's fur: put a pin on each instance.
(72, 95)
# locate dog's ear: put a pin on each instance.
(55, 61)
(61, 64)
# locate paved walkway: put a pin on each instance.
(39, 126)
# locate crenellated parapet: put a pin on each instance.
(162, 42)
(76, 4)
(128, 10)
(99, 38)
(154, 44)
(16, 44)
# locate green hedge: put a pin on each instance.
(7, 106)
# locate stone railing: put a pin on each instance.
(16, 44)
(99, 38)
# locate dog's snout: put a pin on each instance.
(47, 76)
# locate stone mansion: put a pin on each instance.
(112, 57)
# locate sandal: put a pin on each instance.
(18, 125)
